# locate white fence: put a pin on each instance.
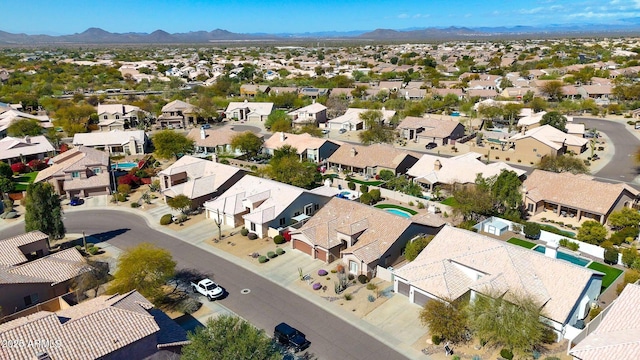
(385, 274)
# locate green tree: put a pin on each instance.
(275, 116)
(145, 268)
(629, 256)
(531, 230)
(414, 247)
(495, 319)
(625, 217)
(24, 127)
(375, 131)
(554, 119)
(282, 125)
(6, 185)
(473, 203)
(552, 90)
(562, 163)
(228, 337)
(285, 166)
(311, 130)
(43, 210)
(538, 104)
(445, 319)
(506, 191)
(179, 202)
(169, 144)
(74, 118)
(5, 170)
(247, 142)
(592, 232)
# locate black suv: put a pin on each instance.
(290, 337)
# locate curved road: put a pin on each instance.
(622, 166)
(265, 306)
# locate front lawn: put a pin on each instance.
(610, 273)
(371, 183)
(451, 201)
(523, 243)
(391, 206)
(21, 182)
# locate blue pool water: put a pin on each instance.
(124, 166)
(564, 256)
(398, 212)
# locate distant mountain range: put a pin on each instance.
(99, 36)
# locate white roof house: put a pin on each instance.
(459, 261)
(461, 169)
(263, 205)
(552, 137)
(351, 119)
(9, 114)
(314, 113)
(116, 141)
(246, 110)
(12, 149)
(307, 146)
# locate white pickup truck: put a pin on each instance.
(207, 288)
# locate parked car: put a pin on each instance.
(325, 131)
(75, 201)
(431, 145)
(342, 131)
(290, 337)
(207, 288)
(206, 126)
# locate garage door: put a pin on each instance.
(321, 254)
(97, 191)
(420, 298)
(403, 288)
(302, 246)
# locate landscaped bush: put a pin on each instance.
(92, 249)
(279, 251)
(278, 239)
(7, 205)
(36, 165)
(340, 268)
(351, 185)
(364, 188)
(569, 244)
(19, 167)
(129, 179)
(435, 339)
(317, 286)
(371, 298)
(119, 197)
(124, 189)
(348, 297)
(363, 279)
(506, 353)
(386, 175)
(271, 254)
(224, 161)
(371, 286)
(135, 205)
(252, 236)
(322, 272)
(188, 305)
(244, 232)
(611, 256)
(166, 219)
(531, 230)
(351, 277)
(621, 236)
(375, 195)
(366, 198)
(262, 259)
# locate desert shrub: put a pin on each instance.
(7, 205)
(93, 249)
(594, 312)
(166, 219)
(621, 236)
(411, 203)
(371, 286)
(224, 161)
(124, 188)
(375, 195)
(252, 236)
(279, 251)
(386, 175)
(611, 256)
(420, 205)
(506, 353)
(366, 198)
(371, 298)
(363, 279)
(188, 305)
(552, 358)
(364, 188)
(278, 239)
(135, 205)
(351, 185)
(351, 277)
(435, 339)
(271, 254)
(154, 186)
(262, 259)
(348, 297)
(244, 232)
(119, 197)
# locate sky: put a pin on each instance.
(62, 17)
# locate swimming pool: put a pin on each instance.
(398, 212)
(564, 256)
(124, 166)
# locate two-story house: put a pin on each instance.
(252, 111)
(13, 149)
(178, 115)
(118, 116)
(308, 147)
(114, 142)
(313, 114)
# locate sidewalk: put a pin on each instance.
(394, 323)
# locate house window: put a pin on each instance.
(117, 117)
(30, 299)
(530, 207)
(316, 206)
(353, 267)
(296, 213)
(105, 117)
(96, 170)
(75, 174)
(281, 221)
(253, 227)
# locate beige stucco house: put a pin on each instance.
(369, 160)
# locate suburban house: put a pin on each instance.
(214, 141)
(575, 196)
(29, 274)
(616, 335)
(313, 114)
(351, 119)
(118, 116)
(253, 90)
(369, 160)
(117, 326)
(81, 171)
(178, 115)
(308, 147)
(15, 150)
(433, 128)
(459, 263)
(198, 179)
(114, 142)
(11, 113)
(264, 207)
(600, 93)
(313, 93)
(532, 145)
(245, 110)
(362, 236)
(431, 170)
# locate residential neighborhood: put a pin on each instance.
(392, 200)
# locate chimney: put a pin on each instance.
(353, 152)
(551, 249)
(203, 134)
(437, 165)
(27, 139)
(282, 136)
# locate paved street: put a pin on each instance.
(265, 305)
